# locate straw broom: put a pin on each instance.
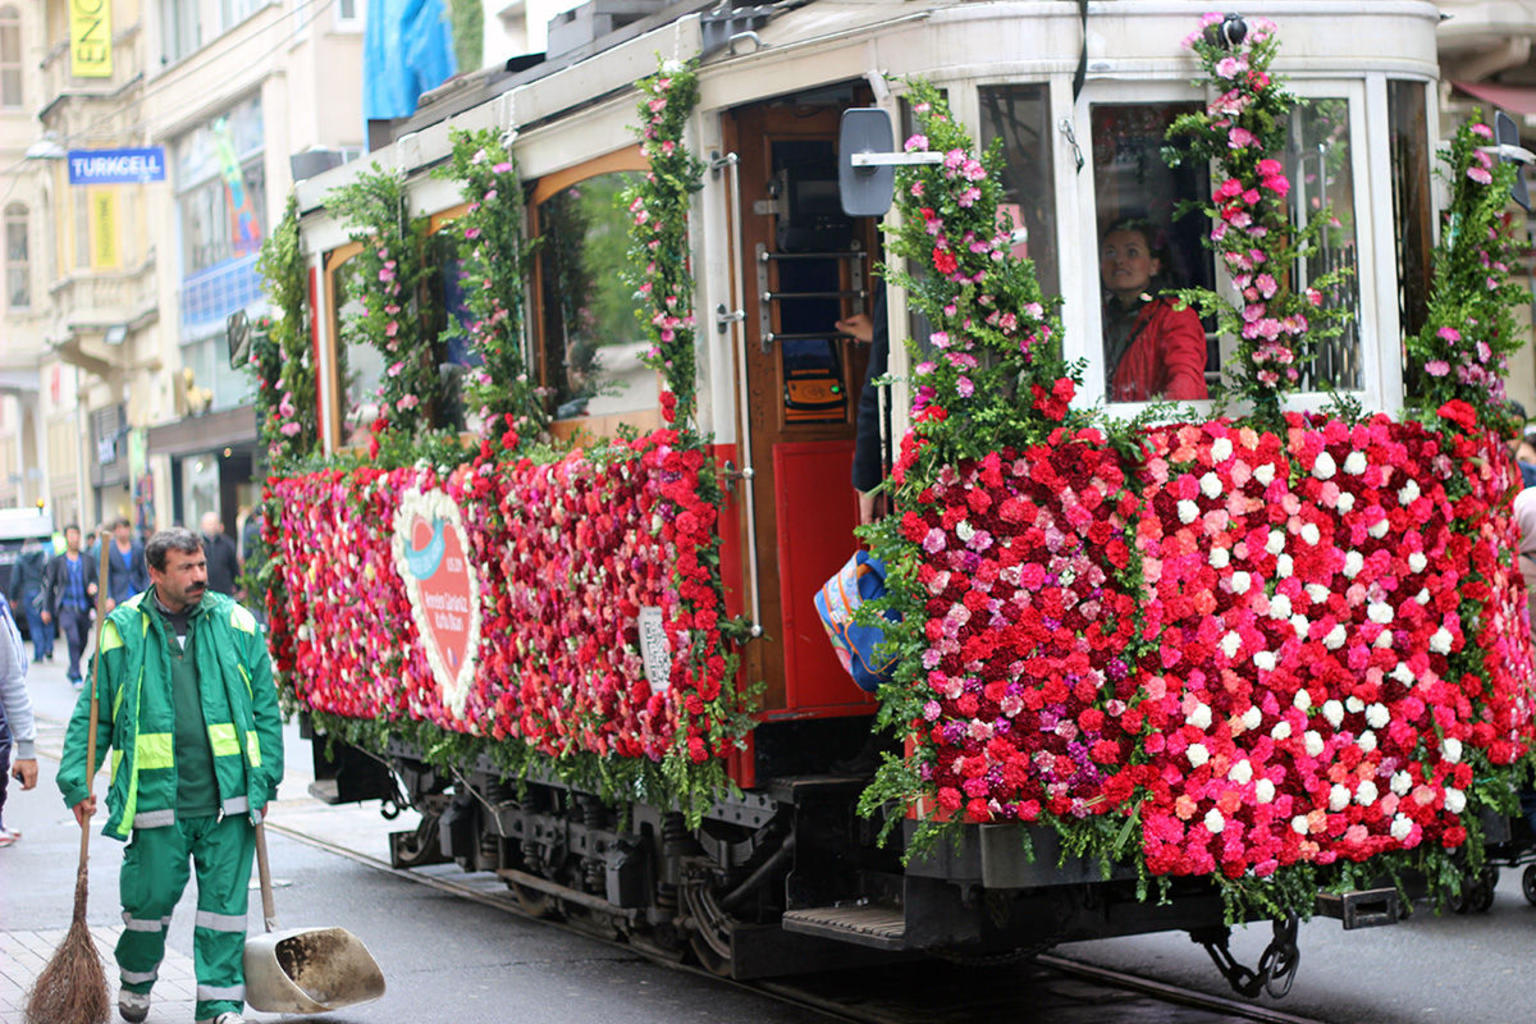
(73, 987)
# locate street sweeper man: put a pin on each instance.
(188, 706)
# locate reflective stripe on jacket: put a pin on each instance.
(137, 719)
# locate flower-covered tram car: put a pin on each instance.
(1153, 667)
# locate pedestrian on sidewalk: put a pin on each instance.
(185, 690)
(125, 565)
(69, 597)
(18, 732)
(26, 595)
(223, 559)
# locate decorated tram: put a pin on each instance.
(1178, 628)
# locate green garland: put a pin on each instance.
(283, 354)
(1461, 352)
(390, 272)
(497, 258)
(1241, 133)
(659, 252)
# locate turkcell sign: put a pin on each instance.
(116, 166)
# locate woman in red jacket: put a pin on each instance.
(1151, 349)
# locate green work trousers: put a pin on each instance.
(155, 871)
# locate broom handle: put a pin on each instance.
(268, 911)
(90, 739)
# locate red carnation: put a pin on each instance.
(944, 261)
(1460, 413)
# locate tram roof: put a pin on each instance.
(1124, 39)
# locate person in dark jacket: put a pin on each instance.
(126, 574)
(69, 595)
(26, 596)
(223, 559)
(1152, 349)
(868, 459)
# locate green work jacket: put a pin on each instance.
(137, 716)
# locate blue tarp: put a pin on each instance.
(407, 50)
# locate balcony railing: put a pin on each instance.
(127, 66)
(106, 298)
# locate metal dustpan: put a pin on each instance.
(304, 970)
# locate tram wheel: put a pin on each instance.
(712, 928)
(534, 902)
(1481, 897)
(1528, 884)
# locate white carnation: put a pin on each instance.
(1401, 783)
(1302, 625)
(1200, 718)
(1241, 772)
(1283, 565)
(1336, 637)
(1188, 512)
(1317, 592)
(1281, 731)
(1279, 607)
(1408, 493)
(1440, 641)
(1310, 533)
(1299, 824)
(1451, 749)
(1302, 701)
(965, 531)
(1366, 741)
(1197, 754)
(1241, 581)
(1325, 467)
(1402, 825)
(1230, 644)
(1263, 791)
(1220, 558)
(1333, 711)
(1377, 716)
(1264, 661)
(1252, 718)
(1265, 474)
(1379, 612)
(1378, 529)
(1354, 705)
(1366, 794)
(1214, 822)
(1276, 542)
(1354, 463)
(1383, 639)
(1338, 797)
(1455, 800)
(1314, 743)
(1346, 502)
(1354, 561)
(1210, 484)
(1417, 561)
(1221, 450)
(1422, 597)
(1402, 673)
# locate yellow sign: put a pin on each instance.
(104, 227)
(90, 38)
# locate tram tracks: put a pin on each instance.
(1052, 987)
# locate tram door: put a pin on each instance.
(807, 266)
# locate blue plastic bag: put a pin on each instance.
(861, 579)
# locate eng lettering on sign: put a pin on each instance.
(116, 166)
(90, 38)
(655, 649)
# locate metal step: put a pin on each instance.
(876, 925)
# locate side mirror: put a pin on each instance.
(867, 162)
(1506, 134)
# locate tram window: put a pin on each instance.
(591, 345)
(1145, 250)
(1317, 160)
(1411, 205)
(1020, 115)
(364, 362)
(455, 354)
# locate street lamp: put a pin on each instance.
(47, 148)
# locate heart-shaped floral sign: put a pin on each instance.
(429, 549)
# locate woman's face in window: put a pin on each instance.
(1127, 264)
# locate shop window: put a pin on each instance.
(1145, 249)
(10, 58)
(178, 29)
(1411, 202)
(1020, 116)
(1317, 160)
(18, 264)
(590, 344)
(221, 187)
